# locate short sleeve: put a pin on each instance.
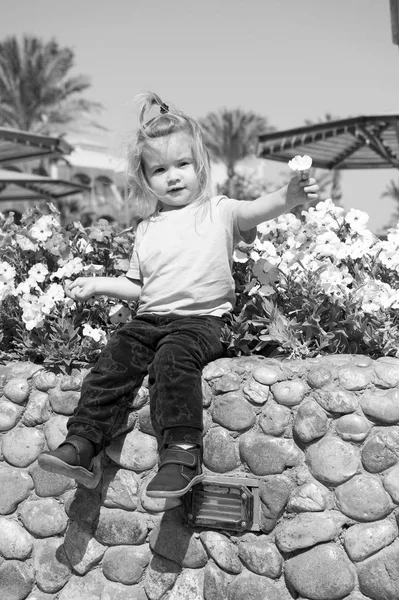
(134, 271)
(228, 210)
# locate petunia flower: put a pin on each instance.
(300, 163)
(98, 335)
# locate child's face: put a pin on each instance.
(170, 170)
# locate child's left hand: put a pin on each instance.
(301, 191)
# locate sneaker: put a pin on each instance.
(74, 458)
(178, 471)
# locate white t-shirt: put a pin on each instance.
(184, 258)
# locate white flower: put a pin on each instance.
(96, 269)
(43, 228)
(84, 246)
(32, 314)
(54, 293)
(335, 281)
(300, 163)
(6, 287)
(71, 267)
(239, 256)
(38, 272)
(7, 272)
(327, 243)
(25, 243)
(375, 296)
(25, 287)
(98, 335)
(119, 313)
(357, 219)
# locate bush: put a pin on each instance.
(38, 322)
(320, 284)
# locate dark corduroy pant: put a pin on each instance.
(173, 352)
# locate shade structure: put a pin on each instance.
(365, 142)
(26, 186)
(16, 145)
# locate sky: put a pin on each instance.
(286, 60)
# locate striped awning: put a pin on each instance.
(355, 143)
(26, 186)
(16, 145)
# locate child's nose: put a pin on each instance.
(173, 175)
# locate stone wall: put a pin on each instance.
(320, 436)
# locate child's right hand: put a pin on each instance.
(81, 288)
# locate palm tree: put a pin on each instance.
(392, 191)
(231, 136)
(36, 92)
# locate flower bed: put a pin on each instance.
(320, 284)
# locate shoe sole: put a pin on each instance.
(175, 493)
(80, 474)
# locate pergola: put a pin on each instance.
(17, 146)
(364, 142)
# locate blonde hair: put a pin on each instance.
(166, 122)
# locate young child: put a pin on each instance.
(180, 272)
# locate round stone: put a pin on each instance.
(222, 550)
(332, 461)
(63, 403)
(160, 576)
(391, 483)
(9, 414)
(336, 401)
(257, 393)
(274, 419)
(319, 377)
(363, 498)
(220, 451)
(22, 446)
(364, 539)
(136, 451)
(381, 451)
(17, 390)
(268, 455)
(309, 529)
(309, 497)
(311, 421)
(379, 574)
(352, 428)
(253, 587)
(15, 542)
(55, 430)
(45, 517)
(125, 564)
(15, 486)
(16, 580)
(289, 393)
(380, 406)
(266, 375)
(233, 412)
(45, 380)
(229, 382)
(321, 573)
(355, 378)
(260, 556)
(117, 527)
(387, 373)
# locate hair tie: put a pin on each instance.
(164, 108)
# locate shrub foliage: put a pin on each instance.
(322, 283)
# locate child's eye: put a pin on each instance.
(184, 163)
(158, 170)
